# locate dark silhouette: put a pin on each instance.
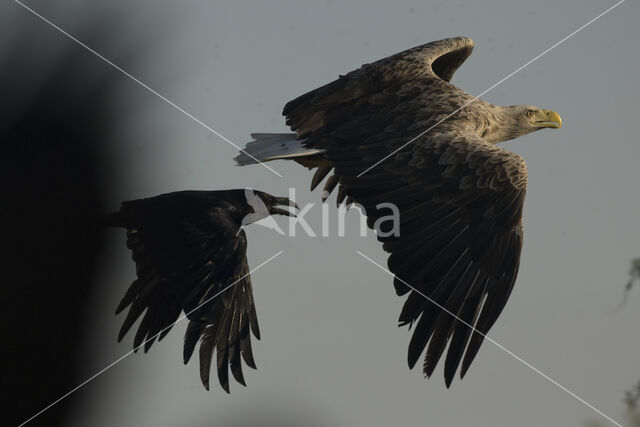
(191, 255)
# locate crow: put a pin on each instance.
(190, 252)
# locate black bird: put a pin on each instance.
(191, 255)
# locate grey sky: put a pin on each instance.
(331, 353)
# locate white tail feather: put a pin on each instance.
(272, 146)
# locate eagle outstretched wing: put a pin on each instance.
(460, 236)
(389, 81)
(190, 258)
(460, 203)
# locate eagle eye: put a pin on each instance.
(529, 113)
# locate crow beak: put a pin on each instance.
(283, 201)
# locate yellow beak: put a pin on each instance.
(548, 119)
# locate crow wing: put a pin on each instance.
(190, 258)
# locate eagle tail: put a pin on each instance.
(273, 146)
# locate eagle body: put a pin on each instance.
(397, 131)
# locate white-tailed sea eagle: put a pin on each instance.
(460, 196)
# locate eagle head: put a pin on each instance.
(520, 120)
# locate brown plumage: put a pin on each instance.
(460, 196)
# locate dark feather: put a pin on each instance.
(190, 257)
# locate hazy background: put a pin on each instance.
(331, 353)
